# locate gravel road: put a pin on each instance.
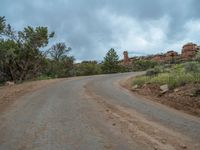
(94, 113)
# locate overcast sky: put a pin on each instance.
(92, 27)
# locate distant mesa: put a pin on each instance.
(188, 52)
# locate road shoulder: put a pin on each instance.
(11, 94)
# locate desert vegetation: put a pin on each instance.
(174, 76)
(175, 85)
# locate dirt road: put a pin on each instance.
(91, 113)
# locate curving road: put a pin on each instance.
(94, 112)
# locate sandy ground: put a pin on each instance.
(9, 94)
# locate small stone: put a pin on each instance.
(184, 146)
(114, 124)
(9, 83)
(163, 141)
(134, 87)
(164, 88)
(144, 85)
(176, 90)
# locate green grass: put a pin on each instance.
(141, 80)
(172, 79)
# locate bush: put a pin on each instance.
(193, 67)
(178, 68)
(160, 79)
(159, 69)
(2, 77)
(123, 68)
(198, 55)
(142, 65)
(88, 68)
(151, 72)
(173, 80)
(141, 80)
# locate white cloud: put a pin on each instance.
(130, 34)
(192, 28)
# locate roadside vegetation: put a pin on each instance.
(174, 75)
(142, 65)
(24, 54)
(175, 85)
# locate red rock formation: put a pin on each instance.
(126, 58)
(171, 55)
(189, 51)
(158, 58)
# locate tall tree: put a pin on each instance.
(110, 63)
(21, 57)
(61, 64)
(58, 51)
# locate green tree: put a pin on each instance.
(58, 51)
(141, 65)
(60, 64)
(87, 68)
(20, 55)
(110, 63)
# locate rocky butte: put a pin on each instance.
(188, 52)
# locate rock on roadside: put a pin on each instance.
(164, 88)
(134, 88)
(9, 83)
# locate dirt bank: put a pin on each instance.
(185, 98)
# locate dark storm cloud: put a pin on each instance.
(91, 27)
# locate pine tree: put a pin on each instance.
(110, 63)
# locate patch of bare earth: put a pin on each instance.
(9, 94)
(135, 127)
(185, 98)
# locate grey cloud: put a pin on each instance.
(91, 27)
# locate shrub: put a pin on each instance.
(178, 68)
(151, 72)
(142, 65)
(141, 80)
(2, 78)
(192, 67)
(87, 68)
(173, 80)
(198, 55)
(159, 69)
